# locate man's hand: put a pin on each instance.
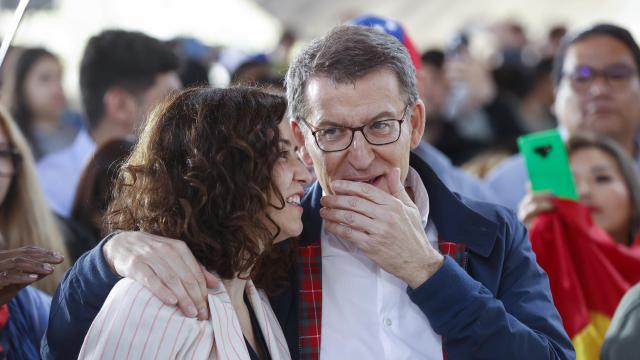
(165, 266)
(385, 227)
(24, 266)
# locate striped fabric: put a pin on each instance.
(134, 324)
(310, 293)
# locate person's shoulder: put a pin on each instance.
(506, 168)
(505, 218)
(130, 299)
(55, 160)
(490, 210)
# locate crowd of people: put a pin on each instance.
(363, 200)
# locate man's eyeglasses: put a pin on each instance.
(10, 160)
(339, 138)
(617, 76)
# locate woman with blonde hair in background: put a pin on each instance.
(30, 248)
(25, 219)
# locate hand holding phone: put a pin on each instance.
(547, 163)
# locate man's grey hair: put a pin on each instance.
(344, 55)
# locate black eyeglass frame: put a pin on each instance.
(314, 131)
(574, 76)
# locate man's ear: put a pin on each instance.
(417, 123)
(119, 105)
(298, 135)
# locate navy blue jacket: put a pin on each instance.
(499, 308)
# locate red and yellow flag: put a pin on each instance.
(588, 272)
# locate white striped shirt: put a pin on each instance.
(135, 324)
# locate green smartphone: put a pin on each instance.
(547, 163)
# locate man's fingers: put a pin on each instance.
(351, 203)
(182, 278)
(210, 279)
(173, 282)
(353, 219)
(144, 275)
(194, 282)
(360, 189)
(358, 238)
(397, 188)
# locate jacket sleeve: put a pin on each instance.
(75, 304)
(519, 321)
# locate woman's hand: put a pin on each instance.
(24, 266)
(534, 204)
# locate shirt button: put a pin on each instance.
(388, 322)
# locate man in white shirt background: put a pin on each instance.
(123, 74)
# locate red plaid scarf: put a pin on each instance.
(4, 318)
(310, 293)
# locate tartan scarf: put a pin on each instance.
(4, 341)
(309, 266)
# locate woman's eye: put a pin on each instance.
(603, 178)
(284, 154)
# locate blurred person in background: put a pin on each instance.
(454, 178)
(536, 102)
(39, 103)
(7, 76)
(553, 41)
(442, 131)
(25, 217)
(607, 183)
(596, 84)
(253, 70)
(94, 193)
(195, 61)
(621, 340)
(31, 249)
(590, 247)
(123, 74)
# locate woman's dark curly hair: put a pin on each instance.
(202, 172)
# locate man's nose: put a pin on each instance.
(599, 85)
(360, 153)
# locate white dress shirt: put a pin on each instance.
(366, 312)
(59, 172)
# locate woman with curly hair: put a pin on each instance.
(216, 168)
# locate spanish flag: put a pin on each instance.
(588, 272)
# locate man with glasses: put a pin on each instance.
(597, 89)
(391, 264)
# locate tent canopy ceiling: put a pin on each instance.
(432, 22)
